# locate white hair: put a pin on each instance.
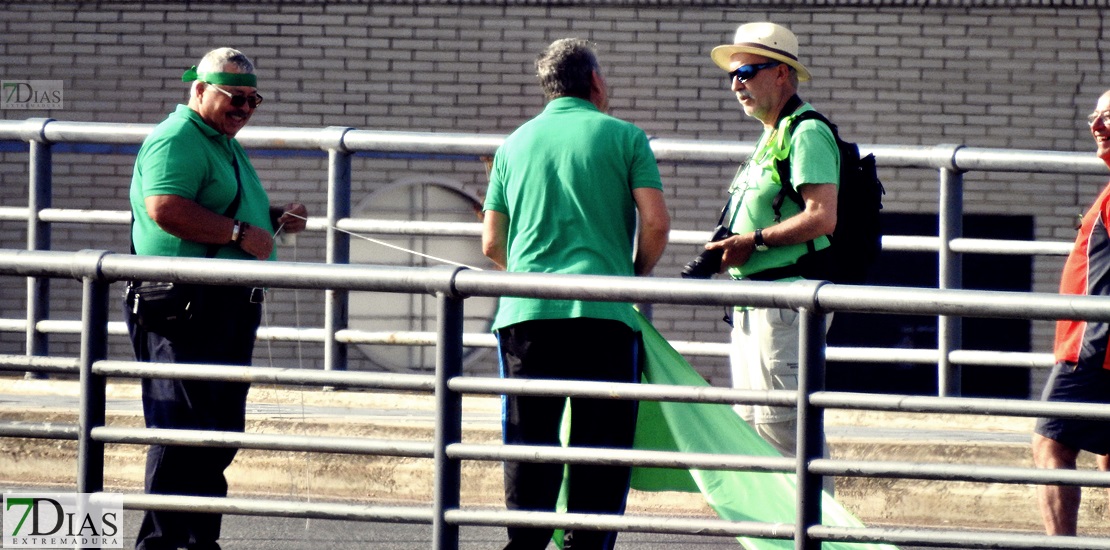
(215, 61)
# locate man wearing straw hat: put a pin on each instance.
(195, 194)
(764, 72)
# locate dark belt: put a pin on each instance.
(255, 295)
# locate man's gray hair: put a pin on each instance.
(565, 68)
(215, 61)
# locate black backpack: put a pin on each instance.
(857, 239)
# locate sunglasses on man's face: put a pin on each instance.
(237, 100)
(745, 73)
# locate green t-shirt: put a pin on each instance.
(184, 156)
(814, 158)
(565, 181)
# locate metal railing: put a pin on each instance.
(950, 161)
(97, 270)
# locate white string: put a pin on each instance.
(307, 472)
(300, 364)
(296, 310)
(393, 246)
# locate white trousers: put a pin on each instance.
(764, 356)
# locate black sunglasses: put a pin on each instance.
(745, 73)
(254, 100)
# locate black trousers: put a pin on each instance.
(223, 332)
(568, 349)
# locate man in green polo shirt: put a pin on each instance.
(763, 72)
(565, 190)
(195, 194)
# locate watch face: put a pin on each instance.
(760, 246)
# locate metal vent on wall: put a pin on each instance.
(420, 198)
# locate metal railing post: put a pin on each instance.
(94, 347)
(39, 197)
(811, 424)
(448, 472)
(950, 276)
(338, 245)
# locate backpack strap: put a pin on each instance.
(783, 166)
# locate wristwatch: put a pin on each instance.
(236, 232)
(760, 245)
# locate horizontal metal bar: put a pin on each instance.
(39, 430)
(626, 523)
(13, 325)
(950, 538)
(908, 243)
(637, 289)
(486, 340)
(684, 150)
(268, 375)
(1010, 247)
(959, 405)
(60, 131)
(16, 214)
(410, 338)
(58, 215)
(620, 457)
(407, 227)
(439, 143)
(453, 144)
(1016, 160)
(959, 472)
(62, 326)
(911, 243)
(1002, 358)
(278, 508)
(961, 303)
(271, 442)
(882, 355)
(59, 365)
(626, 391)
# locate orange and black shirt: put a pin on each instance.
(1087, 272)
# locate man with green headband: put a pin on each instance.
(195, 194)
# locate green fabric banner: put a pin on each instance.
(713, 428)
(716, 428)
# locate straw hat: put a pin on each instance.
(766, 39)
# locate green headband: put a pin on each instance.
(225, 79)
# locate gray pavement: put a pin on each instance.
(275, 533)
(873, 436)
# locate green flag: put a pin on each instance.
(716, 428)
(712, 428)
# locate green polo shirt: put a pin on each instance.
(565, 181)
(184, 156)
(814, 158)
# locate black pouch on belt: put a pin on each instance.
(162, 307)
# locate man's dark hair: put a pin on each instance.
(565, 68)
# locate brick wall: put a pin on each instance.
(997, 77)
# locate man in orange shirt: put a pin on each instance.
(1081, 373)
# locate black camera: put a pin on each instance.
(708, 263)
